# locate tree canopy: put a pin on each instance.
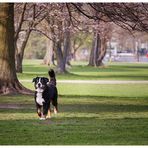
(132, 16)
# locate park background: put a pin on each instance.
(99, 53)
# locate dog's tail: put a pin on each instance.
(51, 73)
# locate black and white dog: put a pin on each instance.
(45, 93)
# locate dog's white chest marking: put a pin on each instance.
(39, 98)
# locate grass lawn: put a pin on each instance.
(90, 114)
(80, 71)
(81, 121)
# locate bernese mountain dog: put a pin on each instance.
(45, 94)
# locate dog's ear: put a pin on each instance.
(33, 80)
(46, 80)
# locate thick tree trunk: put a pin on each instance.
(8, 78)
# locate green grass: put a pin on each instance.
(76, 132)
(101, 90)
(90, 114)
(81, 121)
(80, 71)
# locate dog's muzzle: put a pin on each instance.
(39, 85)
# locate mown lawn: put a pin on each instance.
(81, 121)
(89, 114)
(80, 71)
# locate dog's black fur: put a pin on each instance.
(45, 93)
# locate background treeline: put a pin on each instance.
(66, 26)
(59, 32)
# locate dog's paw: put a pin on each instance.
(55, 111)
(42, 118)
(48, 117)
(39, 114)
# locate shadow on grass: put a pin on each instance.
(99, 97)
(96, 108)
(82, 108)
(113, 72)
(112, 76)
(110, 68)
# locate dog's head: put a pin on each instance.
(40, 82)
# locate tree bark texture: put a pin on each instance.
(8, 78)
(98, 51)
(20, 52)
(96, 45)
(62, 42)
(49, 56)
(102, 52)
(60, 60)
(67, 44)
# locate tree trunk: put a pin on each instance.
(8, 78)
(18, 62)
(20, 52)
(61, 68)
(102, 52)
(137, 51)
(67, 45)
(96, 46)
(62, 56)
(91, 57)
(98, 51)
(49, 56)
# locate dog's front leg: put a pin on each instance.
(49, 113)
(45, 110)
(38, 108)
(55, 109)
(49, 110)
(39, 112)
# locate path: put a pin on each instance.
(98, 81)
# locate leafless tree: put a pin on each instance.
(129, 16)
(27, 18)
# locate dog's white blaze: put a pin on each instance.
(39, 98)
(39, 83)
